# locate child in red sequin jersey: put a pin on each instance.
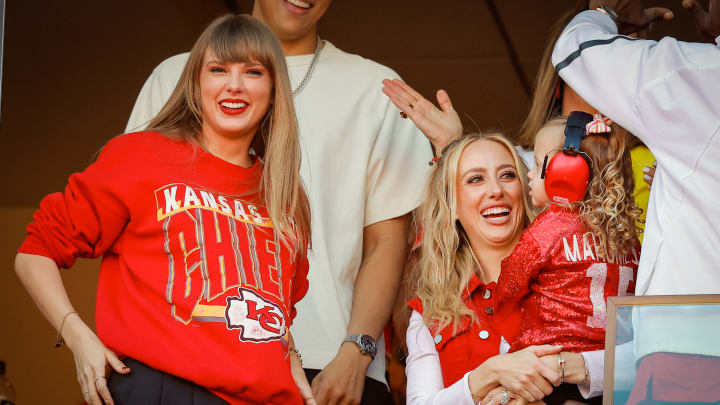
(574, 256)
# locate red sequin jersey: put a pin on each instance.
(555, 276)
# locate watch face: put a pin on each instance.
(368, 344)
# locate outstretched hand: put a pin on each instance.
(441, 126)
(708, 23)
(633, 17)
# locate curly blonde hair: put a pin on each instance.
(446, 261)
(609, 209)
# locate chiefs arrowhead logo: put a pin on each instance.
(258, 319)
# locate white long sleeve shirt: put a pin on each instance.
(424, 374)
(667, 93)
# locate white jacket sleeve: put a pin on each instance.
(643, 85)
(424, 375)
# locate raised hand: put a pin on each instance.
(441, 126)
(708, 23)
(633, 16)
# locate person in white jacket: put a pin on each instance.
(667, 93)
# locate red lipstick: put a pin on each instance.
(232, 106)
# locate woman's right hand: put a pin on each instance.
(92, 359)
(523, 372)
(440, 126)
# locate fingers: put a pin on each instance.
(697, 10)
(550, 375)
(409, 90)
(318, 392)
(398, 90)
(399, 97)
(492, 394)
(495, 397)
(103, 391)
(532, 392)
(86, 378)
(544, 350)
(544, 386)
(116, 363)
(301, 380)
(444, 101)
(658, 13)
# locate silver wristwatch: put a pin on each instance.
(366, 344)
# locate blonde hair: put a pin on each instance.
(544, 103)
(609, 209)
(241, 38)
(446, 261)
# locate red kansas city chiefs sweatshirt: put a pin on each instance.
(194, 280)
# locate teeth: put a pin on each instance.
(299, 3)
(232, 105)
(496, 210)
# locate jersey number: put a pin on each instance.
(598, 273)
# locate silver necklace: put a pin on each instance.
(309, 72)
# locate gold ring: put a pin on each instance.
(98, 378)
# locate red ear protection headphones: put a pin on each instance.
(568, 173)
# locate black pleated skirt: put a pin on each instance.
(147, 386)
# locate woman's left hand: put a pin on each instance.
(496, 397)
(441, 126)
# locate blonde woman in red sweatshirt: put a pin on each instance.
(202, 224)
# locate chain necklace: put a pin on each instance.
(309, 72)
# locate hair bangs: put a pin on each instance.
(236, 41)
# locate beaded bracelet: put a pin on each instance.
(294, 350)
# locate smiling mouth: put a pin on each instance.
(299, 3)
(496, 215)
(233, 107)
(227, 104)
